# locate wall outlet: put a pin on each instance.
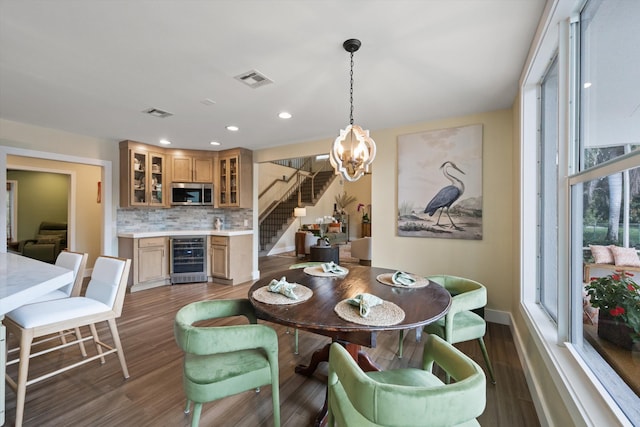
(246, 222)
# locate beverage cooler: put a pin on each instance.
(188, 259)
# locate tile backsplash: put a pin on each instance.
(181, 218)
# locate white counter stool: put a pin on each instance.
(102, 302)
(76, 262)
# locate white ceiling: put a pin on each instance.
(91, 67)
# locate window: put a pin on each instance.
(548, 215)
(12, 209)
(607, 191)
(588, 179)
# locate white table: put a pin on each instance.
(21, 280)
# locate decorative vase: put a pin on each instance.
(321, 242)
(614, 331)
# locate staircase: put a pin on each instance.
(281, 217)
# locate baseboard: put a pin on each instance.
(496, 316)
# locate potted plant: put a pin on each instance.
(617, 297)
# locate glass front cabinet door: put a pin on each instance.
(229, 181)
(235, 175)
(146, 178)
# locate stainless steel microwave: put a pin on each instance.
(191, 194)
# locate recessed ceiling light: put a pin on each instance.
(284, 115)
(233, 128)
(214, 143)
(165, 142)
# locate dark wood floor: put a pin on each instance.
(97, 395)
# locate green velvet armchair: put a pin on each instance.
(461, 323)
(406, 397)
(221, 361)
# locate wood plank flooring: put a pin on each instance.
(98, 395)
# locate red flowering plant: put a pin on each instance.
(619, 296)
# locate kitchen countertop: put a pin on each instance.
(168, 233)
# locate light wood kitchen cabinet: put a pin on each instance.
(142, 178)
(192, 168)
(235, 178)
(150, 261)
(230, 258)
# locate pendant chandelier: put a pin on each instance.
(353, 150)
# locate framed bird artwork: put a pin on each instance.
(440, 183)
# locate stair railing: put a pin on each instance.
(292, 189)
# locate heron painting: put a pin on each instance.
(440, 183)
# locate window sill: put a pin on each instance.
(587, 402)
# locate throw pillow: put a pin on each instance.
(601, 254)
(627, 257)
(334, 228)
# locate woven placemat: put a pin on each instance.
(385, 279)
(317, 270)
(385, 314)
(264, 295)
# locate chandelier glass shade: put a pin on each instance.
(353, 150)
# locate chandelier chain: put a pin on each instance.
(351, 92)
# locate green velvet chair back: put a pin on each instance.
(406, 397)
(461, 323)
(466, 295)
(221, 361)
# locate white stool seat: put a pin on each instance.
(54, 311)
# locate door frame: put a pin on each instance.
(106, 168)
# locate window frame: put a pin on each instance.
(586, 399)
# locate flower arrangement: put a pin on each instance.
(618, 296)
(365, 212)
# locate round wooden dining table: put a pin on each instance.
(421, 306)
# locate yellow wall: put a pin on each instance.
(488, 260)
(88, 151)
(88, 212)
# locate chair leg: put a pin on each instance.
(486, 360)
(187, 408)
(80, 343)
(275, 397)
(295, 345)
(195, 417)
(116, 340)
(96, 339)
(400, 343)
(26, 338)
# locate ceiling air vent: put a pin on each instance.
(253, 79)
(155, 112)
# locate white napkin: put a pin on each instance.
(332, 267)
(365, 302)
(283, 287)
(402, 278)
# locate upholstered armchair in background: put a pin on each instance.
(47, 244)
(361, 249)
